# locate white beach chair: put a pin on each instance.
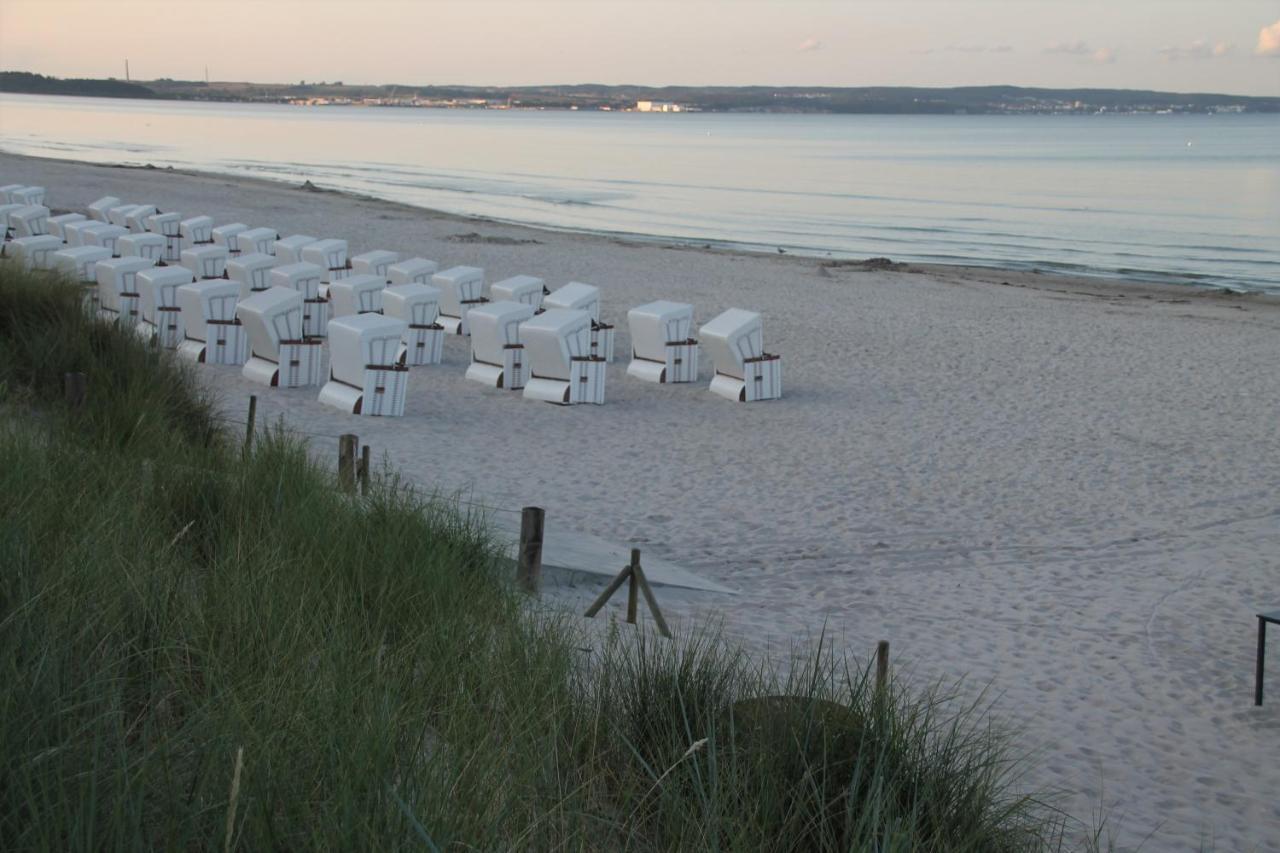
(260, 241)
(743, 370)
(118, 297)
(79, 264)
(418, 305)
(279, 355)
(138, 220)
(331, 256)
(73, 232)
(169, 226)
(106, 236)
(412, 271)
(461, 289)
(31, 220)
(196, 231)
(228, 236)
(662, 349)
(8, 188)
(288, 250)
(365, 373)
(98, 209)
(305, 278)
(252, 271)
(206, 261)
(161, 316)
(562, 370)
(33, 253)
(374, 263)
(357, 294)
(5, 225)
(56, 223)
(142, 246)
(497, 356)
(27, 195)
(585, 297)
(119, 215)
(520, 288)
(213, 334)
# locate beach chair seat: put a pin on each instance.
(585, 297)
(288, 250)
(142, 246)
(33, 253)
(206, 261)
(106, 236)
(305, 278)
(228, 235)
(138, 220)
(461, 289)
(196, 231)
(662, 349)
(30, 220)
(98, 209)
(252, 270)
(213, 334)
(279, 354)
(412, 271)
(27, 196)
(331, 256)
(161, 316)
(374, 263)
(743, 370)
(497, 356)
(56, 223)
(366, 376)
(562, 370)
(418, 305)
(118, 296)
(520, 288)
(261, 241)
(357, 294)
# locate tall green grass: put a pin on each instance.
(203, 650)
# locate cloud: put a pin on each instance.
(1100, 55)
(1199, 49)
(1269, 41)
(809, 45)
(967, 48)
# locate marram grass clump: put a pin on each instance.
(206, 649)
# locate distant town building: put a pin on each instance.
(659, 107)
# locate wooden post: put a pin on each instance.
(638, 573)
(364, 470)
(74, 387)
(252, 420)
(608, 592)
(347, 461)
(529, 559)
(632, 588)
(882, 665)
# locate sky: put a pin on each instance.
(1230, 46)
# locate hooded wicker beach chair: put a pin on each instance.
(662, 348)
(305, 278)
(118, 297)
(213, 334)
(357, 294)
(520, 288)
(374, 263)
(743, 370)
(158, 292)
(252, 271)
(461, 289)
(418, 305)
(497, 356)
(33, 253)
(279, 354)
(557, 344)
(412, 271)
(585, 297)
(365, 373)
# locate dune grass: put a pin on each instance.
(205, 650)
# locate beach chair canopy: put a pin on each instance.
(302, 277)
(363, 341)
(79, 262)
(270, 317)
(158, 288)
(656, 324)
(206, 261)
(416, 304)
(374, 263)
(458, 285)
(357, 294)
(138, 219)
(26, 195)
(29, 220)
(577, 296)
(494, 326)
(8, 188)
(34, 252)
(197, 229)
(553, 339)
(412, 271)
(101, 234)
(98, 209)
(117, 276)
(168, 224)
(732, 338)
(289, 249)
(259, 240)
(225, 235)
(252, 271)
(203, 301)
(141, 246)
(520, 288)
(331, 254)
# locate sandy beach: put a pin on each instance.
(1065, 489)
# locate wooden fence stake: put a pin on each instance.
(364, 470)
(649, 598)
(252, 420)
(347, 461)
(632, 586)
(74, 387)
(529, 559)
(635, 574)
(882, 665)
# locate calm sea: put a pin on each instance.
(1192, 199)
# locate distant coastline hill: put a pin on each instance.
(892, 100)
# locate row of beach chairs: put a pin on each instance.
(248, 296)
